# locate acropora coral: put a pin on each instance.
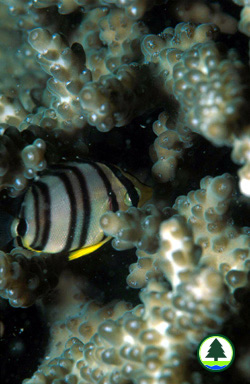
(161, 90)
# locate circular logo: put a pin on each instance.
(216, 353)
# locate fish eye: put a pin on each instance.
(127, 199)
(22, 227)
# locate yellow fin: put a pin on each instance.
(25, 245)
(87, 250)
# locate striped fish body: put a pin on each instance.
(62, 210)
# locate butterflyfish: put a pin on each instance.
(61, 210)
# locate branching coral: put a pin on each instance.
(183, 62)
(225, 247)
(109, 39)
(173, 138)
(81, 78)
(68, 76)
(134, 8)
(200, 11)
(23, 280)
(207, 86)
(244, 24)
(23, 155)
(135, 227)
(28, 160)
(25, 13)
(152, 342)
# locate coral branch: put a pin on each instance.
(24, 277)
(118, 82)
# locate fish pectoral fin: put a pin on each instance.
(87, 250)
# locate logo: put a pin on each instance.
(216, 353)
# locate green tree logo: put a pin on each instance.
(216, 353)
(216, 350)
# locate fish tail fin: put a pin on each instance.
(6, 221)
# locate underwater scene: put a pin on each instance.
(124, 190)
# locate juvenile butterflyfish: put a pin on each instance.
(61, 210)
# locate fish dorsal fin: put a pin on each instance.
(87, 250)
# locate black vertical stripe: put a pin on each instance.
(85, 198)
(37, 216)
(86, 205)
(73, 211)
(129, 186)
(22, 214)
(107, 185)
(44, 189)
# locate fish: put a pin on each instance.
(61, 210)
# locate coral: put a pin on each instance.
(17, 67)
(244, 24)
(134, 8)
(198, 75)
(126, 72)
(173, 138)
(204, 114)
(25, 154)
(152, 342)
(26, 15)
(135, 228)
(203, 11)
(21, 8)
(225, 246)
(109, 39)
(19, 161)
(24, 278)
(68, 76)
(115, 99)
(122, 82)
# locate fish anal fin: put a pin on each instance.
(26, 246)
(87, 250)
